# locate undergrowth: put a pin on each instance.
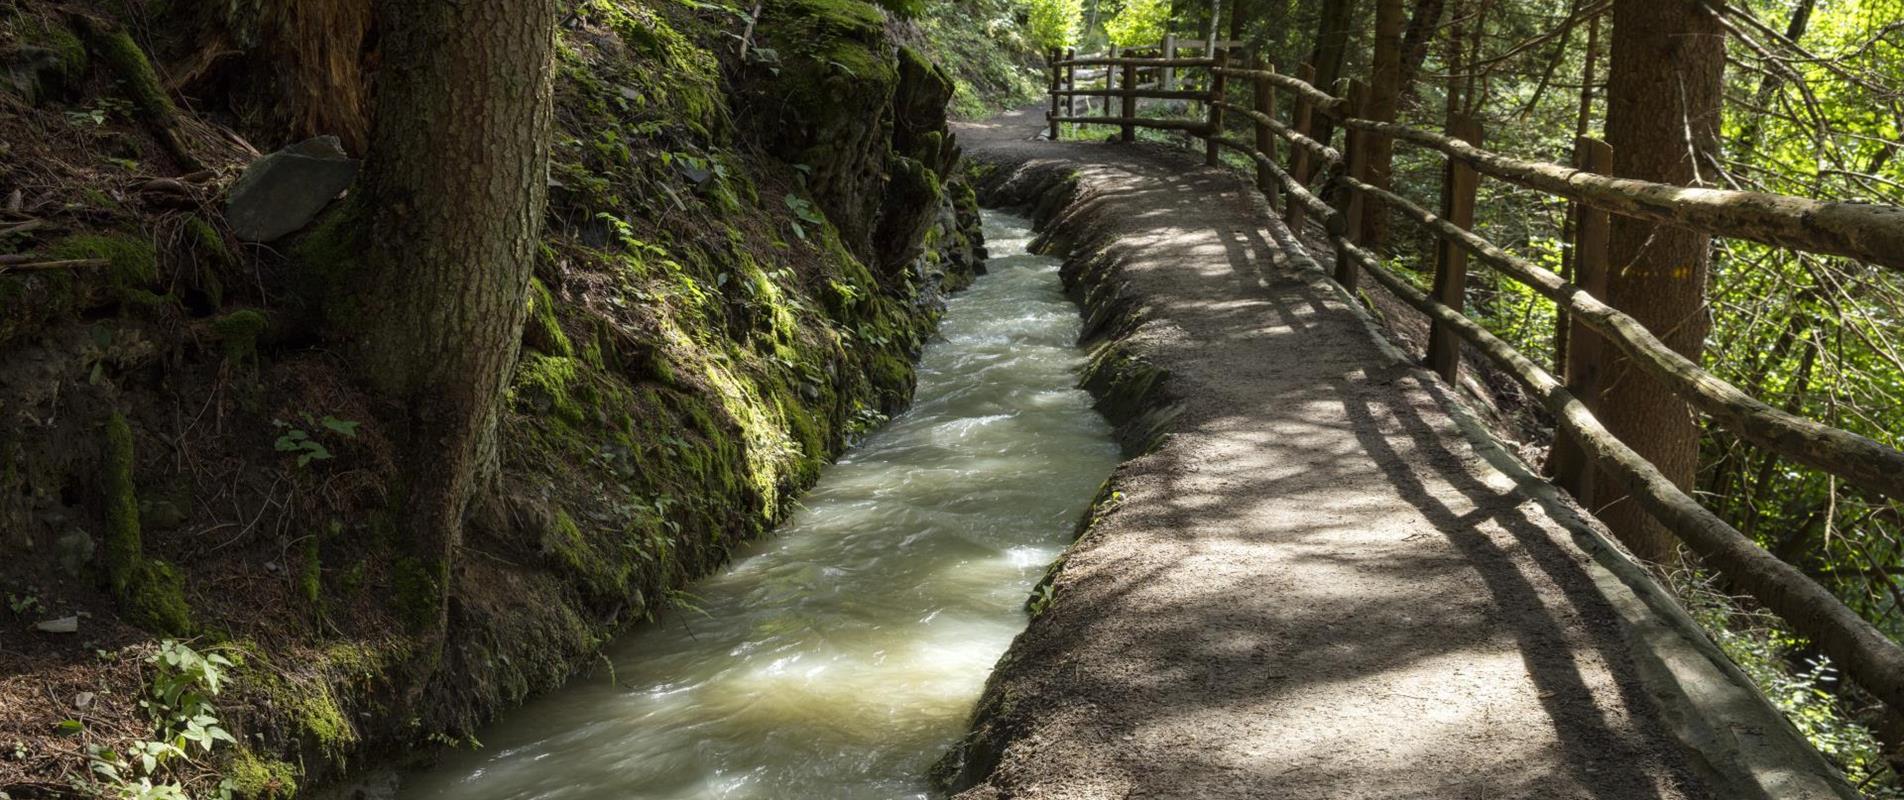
(1802, 684)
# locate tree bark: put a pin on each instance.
(452, 202)
(1421, 30)
(1331, 50)
(1385, 93)
(1663, 104)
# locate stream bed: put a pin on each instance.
(841, 656)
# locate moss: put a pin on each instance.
(329, 261)
(544, 330)
(212, 259)
(132, 261)
(72, 52)
(311, 574)
(207, 241)
(604, 575)
(417, 591)
(544, 385)
(322, 719)
(238, 334)
(255, 778)
(307, 700)
(127, 60)
(123, 550)
(154, 599)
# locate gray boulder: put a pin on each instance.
(282, 192)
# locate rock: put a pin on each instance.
(83, 700)
(61, 625)
(282, 192)
(74, 550)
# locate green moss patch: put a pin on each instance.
(132, 261)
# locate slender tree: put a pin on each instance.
(452, 204)
(1422, 25)
(1663, 105)
(1385, 94)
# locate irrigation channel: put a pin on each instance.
(840, 657)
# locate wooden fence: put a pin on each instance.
(1594, 330)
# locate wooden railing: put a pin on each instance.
(1594, 330)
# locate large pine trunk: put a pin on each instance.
(1333, 23)
(453, 199)
(1663, 105)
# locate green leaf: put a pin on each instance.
(342, 427)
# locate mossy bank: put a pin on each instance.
(744, 255)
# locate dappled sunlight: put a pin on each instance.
(1314, 587)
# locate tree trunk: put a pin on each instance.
(1385, 93)
(1663, 105)
(1421, 30)
(1332, 48)
(452, 202)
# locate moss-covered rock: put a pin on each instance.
(238, 333)
(543, 332)
(828, 105)
(253, 777)
(131, 260)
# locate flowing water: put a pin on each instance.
(840, 657)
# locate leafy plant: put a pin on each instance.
(179, 703)
(308, 449)
(804, 211)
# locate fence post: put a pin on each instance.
(1586, 352)
(1349, 202)
(1220, 60)
(1458, 185)
(1295, 213)
(1110, 82)
(1265, 104)
(1056, 71)
(1071, 83)
(1170, 51)
(1130, 103)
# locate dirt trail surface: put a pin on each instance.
(1320, 585)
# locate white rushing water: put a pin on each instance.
(840, 657)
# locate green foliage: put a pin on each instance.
(306, 445)
(1803, 686)
(179, 704)
(1054, 23)
(992, 63)
(1138, 23)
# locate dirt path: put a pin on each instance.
(1318, 586)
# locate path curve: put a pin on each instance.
(1324, 582)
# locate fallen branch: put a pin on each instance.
(9, 264)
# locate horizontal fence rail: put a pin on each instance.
(1870, 233)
